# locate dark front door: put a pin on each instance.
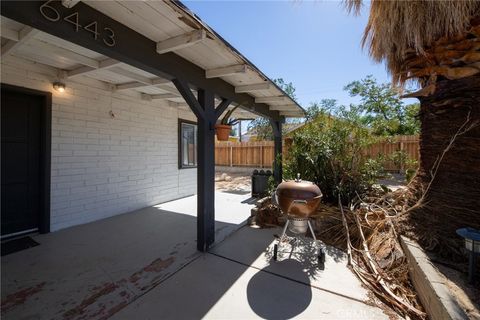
(21, 157)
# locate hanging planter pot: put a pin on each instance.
(224, 128)
(223, 131)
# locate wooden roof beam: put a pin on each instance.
(285, 107)
(252, 87)
(292, 114)
(270, 99)
(158, 82)
(139, 51)
(69, 3)
(9, 34)
(132, 75)
(162, 96)
(22, 36)
(181, 41)
(50, 49)
(226, 71)
(104, 64)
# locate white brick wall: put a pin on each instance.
(103, 166)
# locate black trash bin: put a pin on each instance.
(260, 183)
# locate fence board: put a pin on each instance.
(261, 153)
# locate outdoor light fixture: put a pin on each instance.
(472, 244)
(59, 86)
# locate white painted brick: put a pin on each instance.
(103, 166)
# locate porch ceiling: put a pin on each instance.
(159, 21)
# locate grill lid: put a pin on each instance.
(298, 189)
(298, 198)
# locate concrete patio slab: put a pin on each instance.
(230, 207)
(255, 247)
(93, 270)
(212, 287)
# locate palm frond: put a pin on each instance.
(398, 30)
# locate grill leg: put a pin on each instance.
(311, 230)
(284, 231)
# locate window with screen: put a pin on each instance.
(187, 144)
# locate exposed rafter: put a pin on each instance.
(226, 71)
(169, 88)
(69, 3)
(129, 85)
(252, 87)
(161, 96)
(158, 82)
(270, 99)
(285, 107)
(292, 114)
(44, 48)
(164, 96)
(181, 41)
(132, 75)
(22, 36)
(140, 52)
(104, 64)
(9, 34)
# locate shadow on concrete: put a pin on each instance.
(236, 191)
(251, 200)
(195, 291)
(304, 251)
(279, 299)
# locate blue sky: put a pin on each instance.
(313, 44)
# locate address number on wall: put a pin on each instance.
(107, 35)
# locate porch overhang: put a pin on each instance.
(122, 52)
(135, 49)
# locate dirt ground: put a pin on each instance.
(232, 182)
(393, 181)
(242, 182)
(467, 295)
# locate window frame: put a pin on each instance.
(180, 142)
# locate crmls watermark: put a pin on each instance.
(353, 314)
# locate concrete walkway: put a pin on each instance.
(144, 265)
(238, 280)
(93, 270)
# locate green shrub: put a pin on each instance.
(328, 151)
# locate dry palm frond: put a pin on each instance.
(398, 32)
(368, 231)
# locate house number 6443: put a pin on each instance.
(52, 14)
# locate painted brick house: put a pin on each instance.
(110, 106)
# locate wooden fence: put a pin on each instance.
(386, 149)
(259, 154)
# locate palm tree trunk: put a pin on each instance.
(452, 198)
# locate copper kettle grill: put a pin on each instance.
(298, 200)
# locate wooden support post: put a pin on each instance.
(240, 131)
(277, 138)
(204, 108)
(206, 172)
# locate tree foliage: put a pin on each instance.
(383, 110)
(328, 151)
(317, 108)
(380, 109)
